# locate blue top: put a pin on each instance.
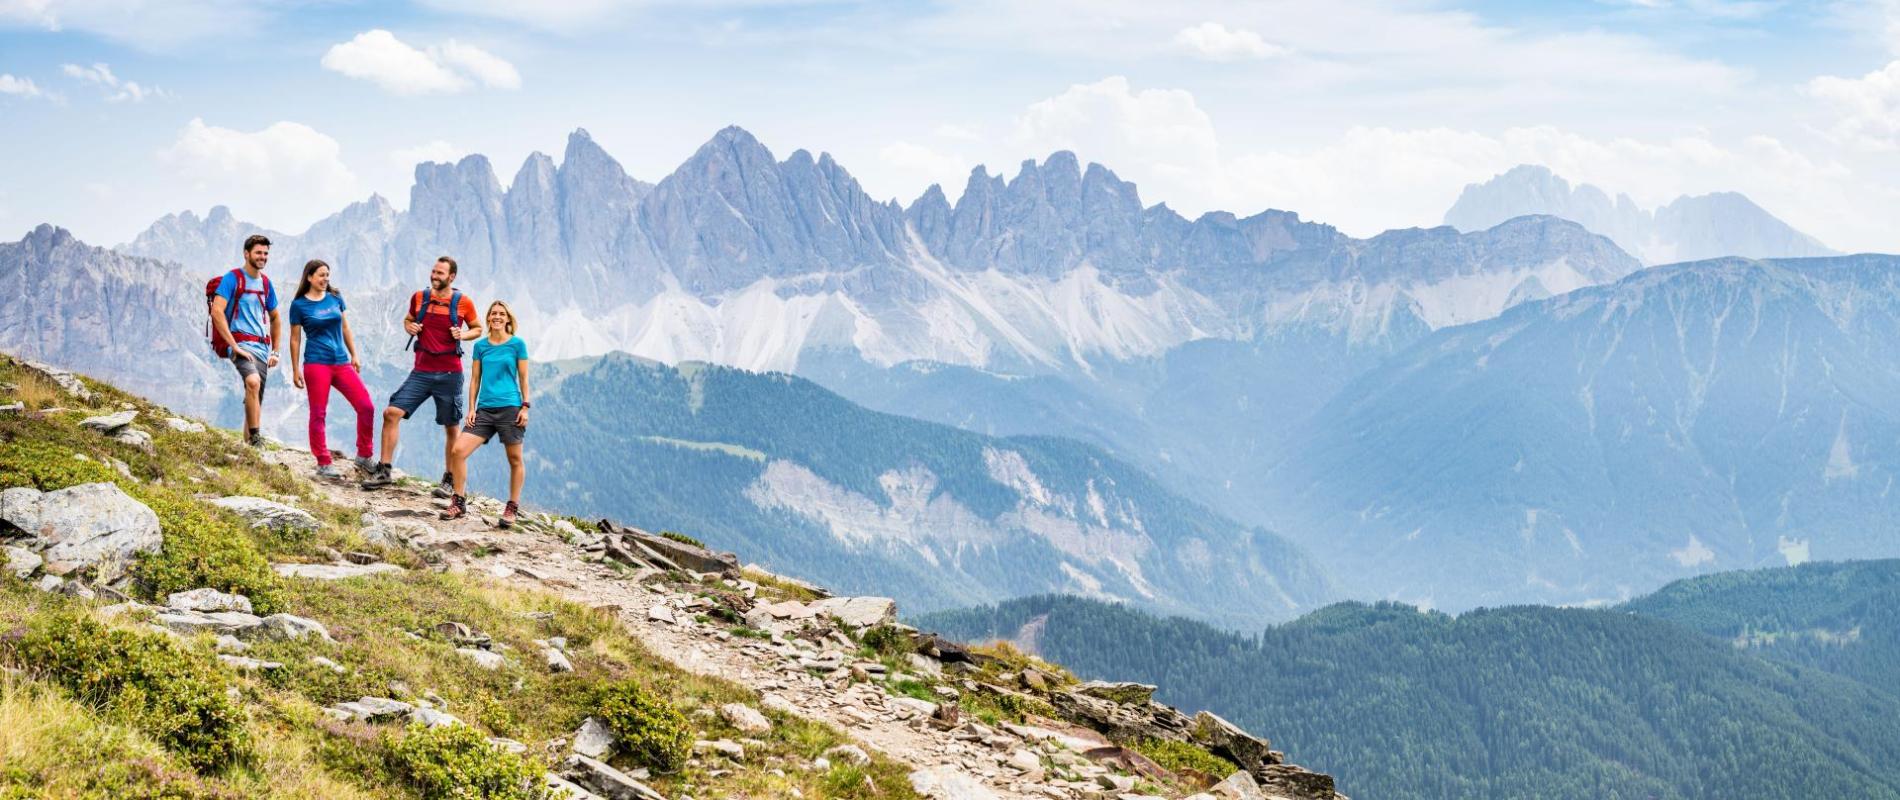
(253, 310)
(501, 376)
(322, 322)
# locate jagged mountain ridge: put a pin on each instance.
(1718, 415)
(740, 258)
(1689, 228)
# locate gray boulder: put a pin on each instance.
(92, 526)
(594, 739)
(208, 600)
(858, 612)
(110, 424)
(21, 561)
(333, 572)
(286, 626)
(269, 514)
(605, 780)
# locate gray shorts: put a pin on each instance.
(490, 421)
(247, 367)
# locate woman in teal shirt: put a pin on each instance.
(497, 404)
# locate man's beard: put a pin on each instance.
(439, 285)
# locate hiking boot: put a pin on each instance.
(365, 464)
(508, 515)
(446, 488)
(330, 472)
(378, 477)
(458, 508)
(256, 439)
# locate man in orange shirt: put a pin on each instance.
(440, 320)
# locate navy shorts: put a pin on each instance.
(444, 387)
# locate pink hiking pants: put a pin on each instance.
(317, 380)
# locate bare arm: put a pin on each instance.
(521, 369)
(349, 342)
(276, 334)
(474, 389)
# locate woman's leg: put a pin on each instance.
(316, 385)
(465, 444)
(351, 385)
(517, 471)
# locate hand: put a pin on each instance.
(273, 359)
(296, 378)
(239, 352)
(457, 330)
(470, 422)
(409, 326)
(356, 364)
(521, 417)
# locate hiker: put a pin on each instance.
(329, 359)
(440, 319)
(498, 405)
(245, 326)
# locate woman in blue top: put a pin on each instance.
(322, 355)
(497, 403)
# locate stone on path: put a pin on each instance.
(949, 783)
(94, 526)
(269, 514)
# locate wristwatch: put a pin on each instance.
(526, 404)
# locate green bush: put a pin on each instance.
(681, 538)
(456, 761)
(886, 641)
(1178, 757)
(173, 695)
(649, 727)
(47, 466)
(204, 547)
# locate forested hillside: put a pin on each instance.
(1840, 617)
(1503, 703)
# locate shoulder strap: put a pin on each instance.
(237, 296)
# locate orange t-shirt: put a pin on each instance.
(435, 346)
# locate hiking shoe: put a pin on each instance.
(330, 472)
(366, 464)
(446, 488)
(508, 515)
(378, 477)
(256, 439)
(458, 508)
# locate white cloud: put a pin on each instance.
(925, 165)
(436, 150)
(283, 176)
(18, 87)
(1161, 133)
(1217, 42)
(379, 57)
(116, 90)
(1869, 106)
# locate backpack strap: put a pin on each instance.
(455, 316)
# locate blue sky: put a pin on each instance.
(1368, 114)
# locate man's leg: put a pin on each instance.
(392, 432)
(253, 402)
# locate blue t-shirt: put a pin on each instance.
(253, 310)
(322, 322)
(501, 376)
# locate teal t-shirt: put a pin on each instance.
(501, 377)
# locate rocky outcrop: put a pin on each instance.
(270, 514)
(92, 529)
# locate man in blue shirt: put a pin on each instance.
(244, 317)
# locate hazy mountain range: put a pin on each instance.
(1343, 392)
(1687, 229)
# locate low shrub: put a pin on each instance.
(205, 547)
(1183, 757)
(47, 466)
(886, 641)
(681, 538)
(175, 696)
(456, 761)
(648, 726)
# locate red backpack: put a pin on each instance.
(218, 347)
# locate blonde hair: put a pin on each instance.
(505, 308)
